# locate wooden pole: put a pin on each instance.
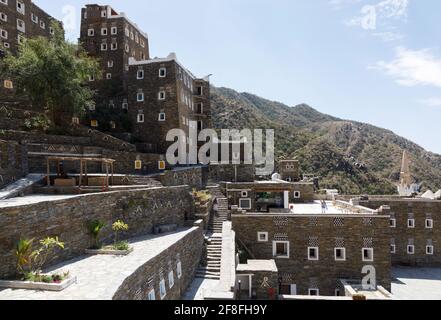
(86, 180)
(48, 172)
(107, 176)
(81, 173)
(113, 173)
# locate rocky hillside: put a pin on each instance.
(350, 156)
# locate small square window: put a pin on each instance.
(297, 195)
(114, 30)
(262, 236)
(393, 249)
(411, 223)
(161, 165)
(34, 18)
(410, 249)
(245, 204)
(3, 17)
(151, 295)
(51, 30)
(340, 254)
(91, 32)
(162, 72)
(179, 269)
(368, 254)
(103, 14)
(103, 46)
(429, 250)
(91, 78)
(429, 224)
(8, 84)
(20, 7)
(393, 223)
(140, 97)
(281, 249)
(125, 106)
(110, 64)
(140, 118)
(94, 123)
(75, 120)
(313, 253)
(4, 2)
(140, 74)
(138, 165)
(171, 279)
(244, 194)
(104, 31)
(313, 292)
(21, 25)
(114, 46)
(108, 76)
(337, 292)
(161, 95)
(42, 25)
(3, 34)
(161, 117)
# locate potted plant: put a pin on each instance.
(95, 228)
(30, 262)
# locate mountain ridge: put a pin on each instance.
(351, 156)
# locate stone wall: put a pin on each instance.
(68, 219)
(325, 232)
(187, 252)
(194, 177)
(420, 236)
(228, 173)
(13, 162)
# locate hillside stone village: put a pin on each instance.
(205, 232)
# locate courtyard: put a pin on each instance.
(416, 283)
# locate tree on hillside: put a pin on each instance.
(54, 74)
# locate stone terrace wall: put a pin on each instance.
(245, 173)
(195, 177)
(68, 219)
(188, 252)
(13, 162)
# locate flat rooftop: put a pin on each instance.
(416, 283)
(100, 276)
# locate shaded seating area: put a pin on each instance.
(62, 180)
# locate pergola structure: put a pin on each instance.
(109, 163)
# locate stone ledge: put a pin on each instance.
(28, 285)
(109, 252)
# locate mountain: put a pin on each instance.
(350, 156)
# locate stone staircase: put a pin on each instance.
(214, 240)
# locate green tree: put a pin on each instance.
(54, 74)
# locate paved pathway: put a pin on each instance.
(416, 283)
(99, 277)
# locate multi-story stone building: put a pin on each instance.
(164, 95)
(19, 20)
(415, 229)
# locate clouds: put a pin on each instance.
(413, 68)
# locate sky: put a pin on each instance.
(374, 61)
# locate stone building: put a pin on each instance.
(164, 95)
(415, 229)
(313, 251)
(19, 20)
(112, 38)
(289, 170)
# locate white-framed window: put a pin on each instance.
(313, 292)
(162, 290)
(313, 253)
(281, 249)
(297, 195)
(244, 194)
(161, 95)
(171, 279)
(337, 292)
(125, 105)
(140, 118)
(6, 45)
(114, 46)
(151, 295)
(21, 25)
(42, 24)
(3, 34)
(200, 91)
(340, 254)
(162, 72)
(393, 248)
(5, 2)
(127, 32)
(429, 223)
(140, 97)
(8, 84)
(91, 78)
(179, 270)
(411, 249)
(92, 107)
(161, 117)
(104, 31)
(34, 18)
(103, 46)
(161, 165)
(114, 30)
(20, 39)
(262, 236)
(367, 254)
(51, 30)
(393, 223)
(140, 74)
(245, 203)
(127, 48)
(20, 7)
(91, 32)
(110, 64)
(103, 14)
(108, 76)
(411, 223)
(429, 250)
(3, 17)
